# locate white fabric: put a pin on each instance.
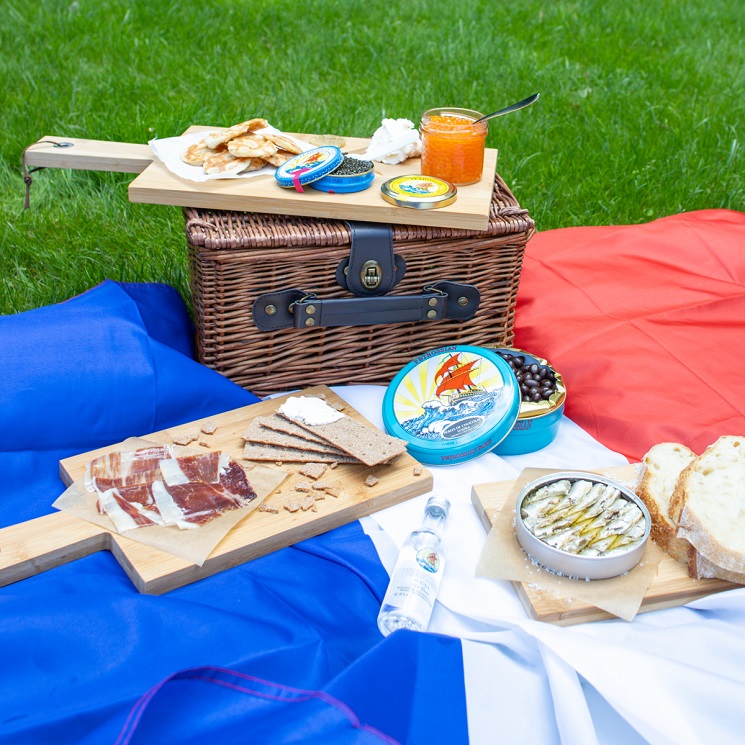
(670, 677)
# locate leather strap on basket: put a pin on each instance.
(298, 309)
(372, 268)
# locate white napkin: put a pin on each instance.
(169, 152)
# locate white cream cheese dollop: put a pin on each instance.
(394, 141)
(312, 411)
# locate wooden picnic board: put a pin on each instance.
(671, 587)
(32, 547)
(157, 185)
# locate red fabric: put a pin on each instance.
(645, 323)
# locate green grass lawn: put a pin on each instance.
(642, 109)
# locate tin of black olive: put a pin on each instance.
(543, 396)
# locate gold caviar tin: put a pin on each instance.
(419, 192)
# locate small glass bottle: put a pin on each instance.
(411, 594)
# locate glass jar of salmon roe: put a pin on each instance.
(453, 145)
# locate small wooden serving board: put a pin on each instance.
(671, 587)
(32, 547)
(157, 185)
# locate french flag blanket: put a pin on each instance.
(644, 322)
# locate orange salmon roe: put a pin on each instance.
(453, 147)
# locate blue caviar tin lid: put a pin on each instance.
(452, 404)
(308, 166)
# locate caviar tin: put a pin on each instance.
(336, 183)
(538, 422)
(419, 192)
(605, 557)
(452, 404)
(309, 166)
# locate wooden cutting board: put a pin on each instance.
(157, 185)
(32, 547)
(670, 588)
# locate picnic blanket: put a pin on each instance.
(643, 323)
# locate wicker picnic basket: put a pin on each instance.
(236, 257)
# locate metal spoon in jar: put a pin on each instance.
(509, 109)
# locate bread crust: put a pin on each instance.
(699, 567)
(661, 467)
(715, 482)
(678, 497)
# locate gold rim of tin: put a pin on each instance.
(419, 201)
(535, 410)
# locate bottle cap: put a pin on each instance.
(438, 506)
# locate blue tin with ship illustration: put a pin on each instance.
(452, 404)
(309, 166)
(542, 400)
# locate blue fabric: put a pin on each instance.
(80, 646)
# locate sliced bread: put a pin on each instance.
(663, 465)
(710, 499)
(699, 567)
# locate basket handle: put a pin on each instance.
(298, 309)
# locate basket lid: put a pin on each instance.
(308, 166)
(452, 404)
(419, 192)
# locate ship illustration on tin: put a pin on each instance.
(450, 396)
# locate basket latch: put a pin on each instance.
(372, 268)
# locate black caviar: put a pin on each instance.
(352, 167)
(537, 382)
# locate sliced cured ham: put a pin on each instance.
(193, 504)
(209, 468)
(233, 479)
(130, 507)
(152, 486)
(125, 469)
(204, 468)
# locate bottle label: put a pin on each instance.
(414, 584)
(428, 559)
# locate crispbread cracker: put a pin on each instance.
(364, 443)
(275, 453)
(256, 433)
(313, 470)
(280, 424)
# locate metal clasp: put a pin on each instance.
(307, 296)
(371, 274)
